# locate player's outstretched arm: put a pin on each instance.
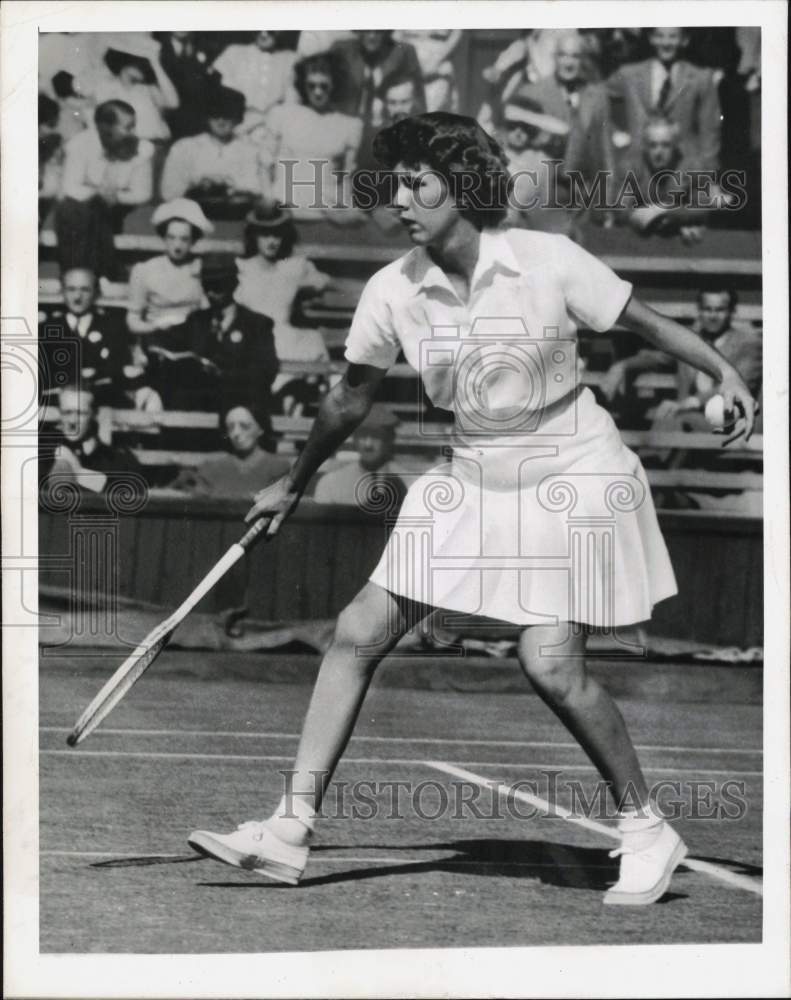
(687, 346)
(343, 408)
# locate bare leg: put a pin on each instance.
(366, 631)
(584, 706)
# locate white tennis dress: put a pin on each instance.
(543, 514)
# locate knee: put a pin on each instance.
(560, 679)
(359, 636)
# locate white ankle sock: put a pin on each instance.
(294, 819)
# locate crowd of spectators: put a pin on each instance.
(204, 128)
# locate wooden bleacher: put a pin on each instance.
(412, 437)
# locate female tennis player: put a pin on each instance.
(488, 318)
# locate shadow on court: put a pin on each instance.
(554, 864)
(145, 861)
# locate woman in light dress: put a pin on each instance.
(543, 517)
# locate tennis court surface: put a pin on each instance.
(424, 863)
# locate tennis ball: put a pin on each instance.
(716, 414)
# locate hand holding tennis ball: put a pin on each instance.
(716, 414)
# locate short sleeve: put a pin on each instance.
(594, 293)
(372, 339)
(312, 277)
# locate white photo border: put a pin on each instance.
(647, 971)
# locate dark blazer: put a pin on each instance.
(191, 75)
(241, 361)
(588, 146)
(400, 59)
(95, 356)
(693, 104)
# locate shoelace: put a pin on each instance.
(260, 823)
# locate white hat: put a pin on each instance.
(182, 208)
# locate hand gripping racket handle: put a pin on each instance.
(253, 534)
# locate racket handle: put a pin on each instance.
(251, 536)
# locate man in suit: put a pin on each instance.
(668, 85)
(583, 106)
(223, 352)
(82, 342)
(368, 59)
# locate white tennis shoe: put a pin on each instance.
(649, 856)
(254, 847)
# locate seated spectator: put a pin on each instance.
(251, 463)
(583, 106)
(106, 172)
(669, 86)
(50, 154)
(186, 65)
(530, 141)
(139, 81)
(272, 276)
(314, 130)
(81, 458)
(221, 352)
(83, 343)
(400, 99)
(656, 193)
(434, 50)
(164, 290)
(223, 172)
(368, 59)
(357, 482)
(262, 71)
(739, 342)
(528, 59)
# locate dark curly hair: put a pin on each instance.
(468, 159)
(328, 63)
(286, 230)
(162, 228)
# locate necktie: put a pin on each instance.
(664, 91)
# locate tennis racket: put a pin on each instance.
(136, 664)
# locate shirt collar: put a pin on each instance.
(494, 254)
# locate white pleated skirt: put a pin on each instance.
(534, 528)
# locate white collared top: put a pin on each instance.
(513, 343)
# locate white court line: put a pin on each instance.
(715, 871)
(533, 765)
(392, 739)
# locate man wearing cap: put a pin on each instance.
(231, 349)
(217, 162)
(165, 289)
(358, 481)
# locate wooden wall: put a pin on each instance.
(326, 553)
